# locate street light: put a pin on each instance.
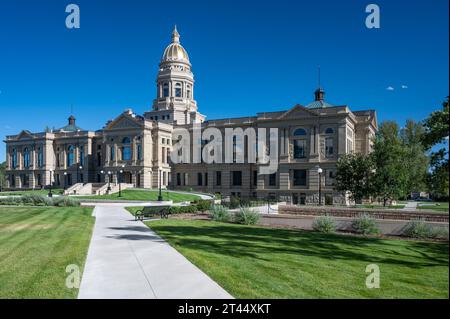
(65, 180)
(50, 194)
(319, 170)
(120, 180)
(78, 169)
(160, 198)
(109, 181)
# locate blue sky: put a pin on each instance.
(247, 56)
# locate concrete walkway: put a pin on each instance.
(127, 260)
(410, 206)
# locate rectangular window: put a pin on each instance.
(113, 153)
(139, 152)
(255, 178)
(237, 178)
(273, 179)
(299, 177)
(178, 179)
(206, 179)
(299, 148)
(218, 178)
(329, 178)
(329, 149)
(199, 179)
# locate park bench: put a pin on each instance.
(149, 211)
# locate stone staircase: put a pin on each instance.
(95, 188)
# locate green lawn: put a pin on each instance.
(380, 206)
(36, 245)
(441, 207)
(37, 191)
(260, 262)
(146, 195)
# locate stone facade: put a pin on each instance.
(310, 136)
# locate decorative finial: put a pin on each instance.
(175, 35)
(319, 94)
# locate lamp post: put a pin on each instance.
(120, 180)
(109, 181)
(65, 180)
(160, 198)
(319, 170)
(50, 194)
(78, 169)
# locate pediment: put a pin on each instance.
(298, 111)
(124, 122)
(25, 135)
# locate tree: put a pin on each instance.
(391, 178)
(416, 160)
(354, 175)
(436, 133)
(2, 175)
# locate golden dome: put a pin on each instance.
(175, 51)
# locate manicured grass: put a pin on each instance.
(380, 206)
(436, 206)
(147, 195)
(36, 246)
(260, 262)
(36, 191)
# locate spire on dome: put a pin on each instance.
(175, 35)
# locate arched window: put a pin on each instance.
(126, 149)
(26, 157)
(299, 132)
(14, 158)
(165, 90)
(70, 155)
(40, 157)
(178, 90)
(329, 131)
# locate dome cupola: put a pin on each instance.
(175, 51)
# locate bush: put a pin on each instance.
(219, 213)
(365, 225)
(246, 216)
(183, 209)
(440, 232)
(11, 201)
(203, 205)
(36, 200)
(324, 224)
(418, 229)
(65, 201)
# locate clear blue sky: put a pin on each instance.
(247, 56)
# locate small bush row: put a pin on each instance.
(245, 216)
(366, 225)
(40, 200)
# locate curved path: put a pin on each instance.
(127, 260)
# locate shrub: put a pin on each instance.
(246, 216)
(418, 229)
(324, 224)
(440, 232)
(11, 201)
(365, 225)
(65, 201)
(183, 209)
(36, 200)
(219, 213)
(203, 205)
